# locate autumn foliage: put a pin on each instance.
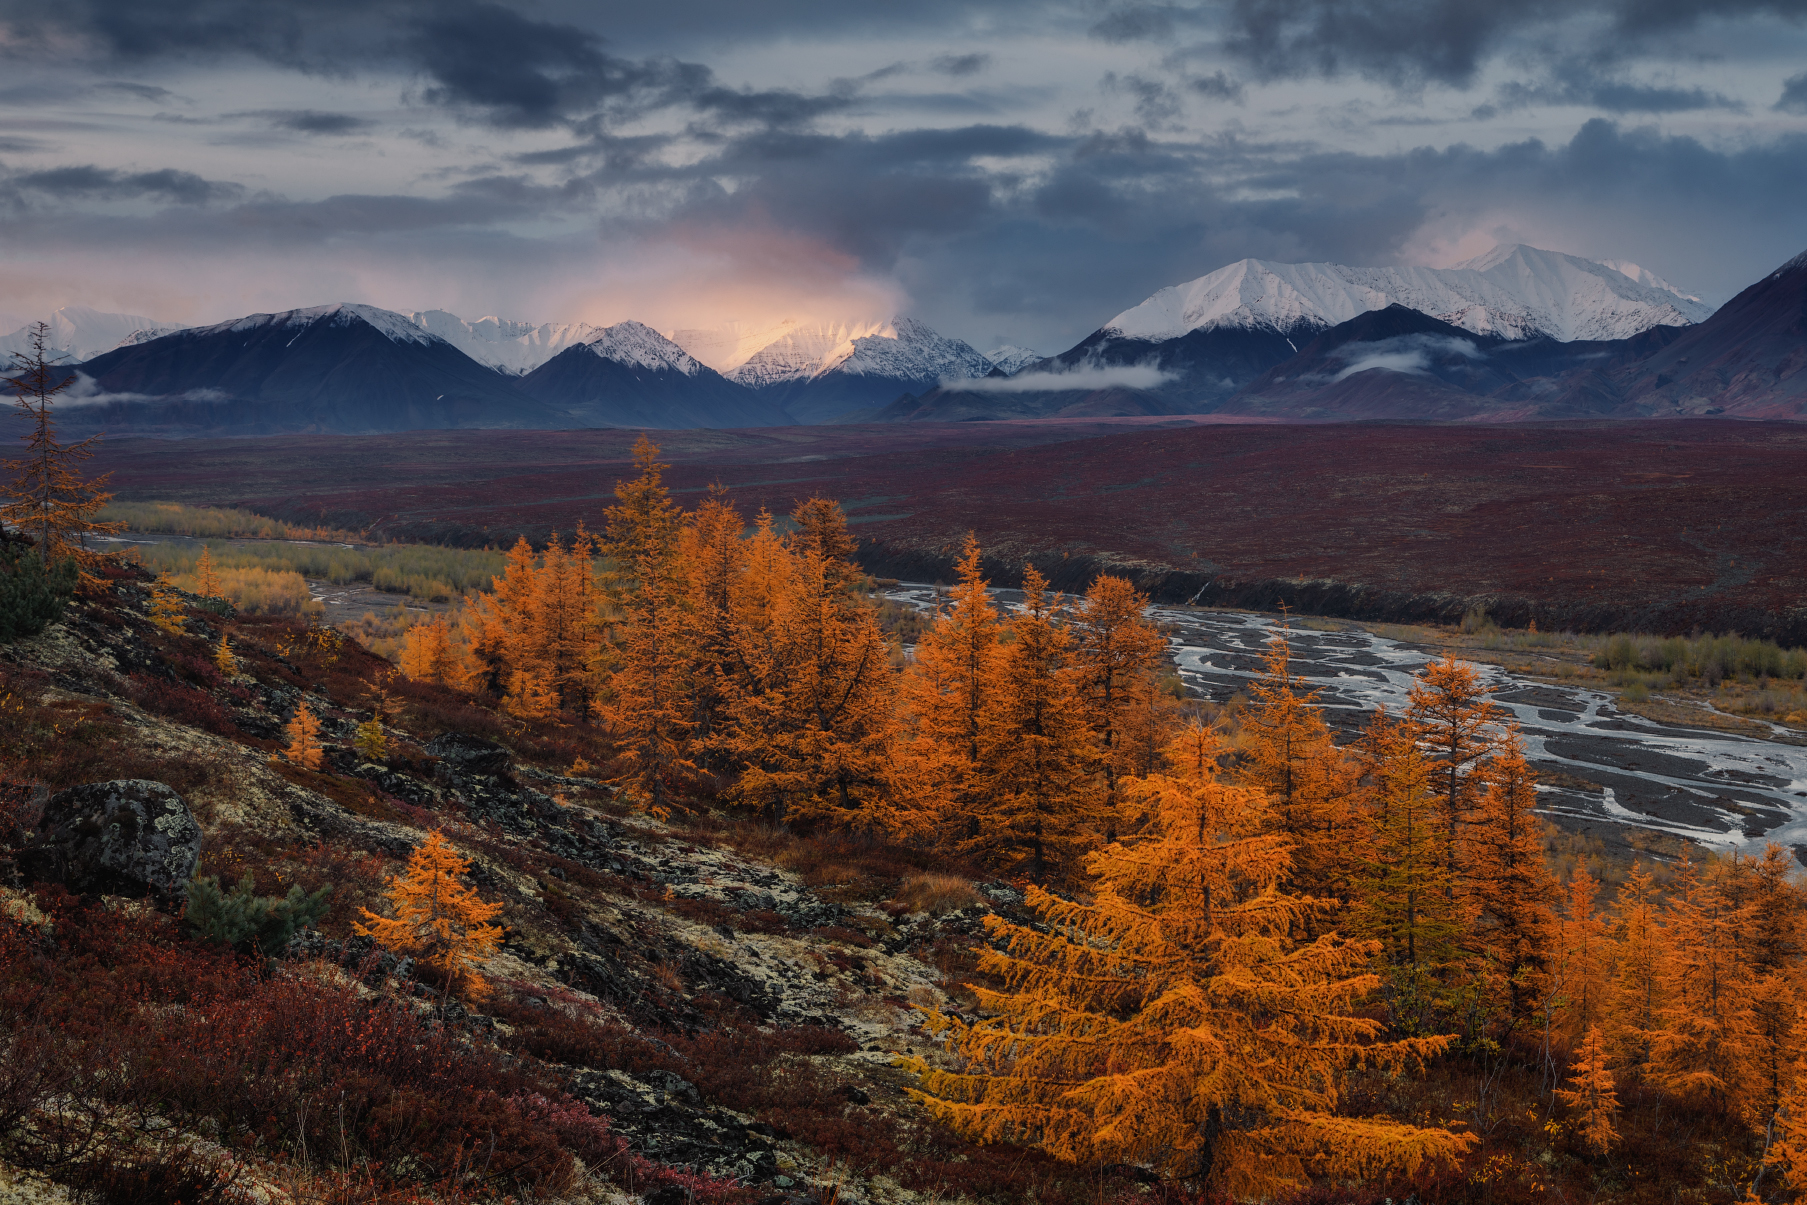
(437, 917)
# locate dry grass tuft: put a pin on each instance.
(937, 893)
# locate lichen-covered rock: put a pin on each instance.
(466, 754)
(130, 836)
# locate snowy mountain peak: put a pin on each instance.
(1645, 276)
(1512, 292)
(1010, 359)
(640, 346)
(504, 344)
(79, 333)
(396, 327)
(902, 348)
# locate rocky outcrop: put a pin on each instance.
(126, 837)
(470, 755)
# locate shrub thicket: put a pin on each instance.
(31, 596)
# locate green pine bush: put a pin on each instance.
(31, 597)
(245, 920)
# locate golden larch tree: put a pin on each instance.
(1705, 1037)
(1456, 721)
(1772, 946)
(1043, 807)
(48, 498)
(810, 716)
(948, 697)
(1593, 1098)
(650, 713)
(1288, 754)
(167, 610)
(1405, 899)
(1638, 993)
(224, 659)
(304, 739)
(499, 630)
(207, 579)
(1172, 1019)
(1116, 654)
(427, 653)
(1511, 885)
(1584, 962)
(438, 918)
(711, 559)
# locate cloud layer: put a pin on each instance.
(1010, 172)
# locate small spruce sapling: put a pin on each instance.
(245, 920)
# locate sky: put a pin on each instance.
(1008, 172)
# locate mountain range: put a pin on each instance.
(1516, 334)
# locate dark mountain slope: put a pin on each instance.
(347, 368)
(1749, 358)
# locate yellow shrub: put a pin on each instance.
(264, 591)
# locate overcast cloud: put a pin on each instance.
(1006, 171)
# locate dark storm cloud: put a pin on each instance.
(89, 182)
(1408, 42)
(484, 61)
(1577, 82)
(138, 91)
(1217, 86)
(1135, 23)
(308, 121)
(960, 64)
(1794, 95)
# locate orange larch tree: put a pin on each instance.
(1705, 1038)
(650, 713)
(1639, 990)
(1044, 806)
(948, 697)
(304, 739)
(1456, 720)
(1593, 1101)
(1772, 942)
(1405, 900)
(437, 917)
(1116, 654)
(48, 498)
(499, 628)
(427, 654)
(1288, 753)
(1173, 1019)
(711, 559)
(1511, 885)
(1578, 1001)
(810, 712)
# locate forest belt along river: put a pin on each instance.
(1721, 789)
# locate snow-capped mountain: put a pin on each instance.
(1010, 359)
(1512, 292)
(630, 375)
(640, 346)
(505, 345)
(821, 370)
(78, 333)
(346, 368)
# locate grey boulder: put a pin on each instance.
(468, 754)
(130, 836)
